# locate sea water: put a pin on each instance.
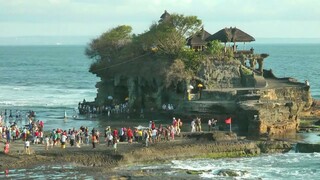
(53, 79)
(48, 80)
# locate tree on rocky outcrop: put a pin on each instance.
(169, 37)
(108, 46)
(119, 54)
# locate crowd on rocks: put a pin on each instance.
(33, 134)
(114, 108)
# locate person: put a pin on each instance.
(6, 147)
(139, 134)
(154, 135)
(193, 124)
(27, 146)
(115, 142)
(198, 124)
(63, 140)
(172, 132)
(179, 125)
(307, 83)
(72, 138)
(164, 107)
(130, 135)
(214, 123)
(209, 124)
(200, 128)
(86, 137)
(146, 137)
(110, 139)
(153, 125)
(46, 142)
(94, 140)
(174, 124)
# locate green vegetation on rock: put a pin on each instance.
(164, 44)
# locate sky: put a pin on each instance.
(66, 20)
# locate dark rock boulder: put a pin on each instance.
(274, 146)
(307, 148)
(231, 173)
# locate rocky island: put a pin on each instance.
(176, 62)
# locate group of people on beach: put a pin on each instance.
(33, 134)
(12, 132)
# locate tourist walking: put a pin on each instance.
(214, 123)
(27, 146)
(172, 132)
(179, 125)
(86, 136)
(110, 139)
(209, 124)
(72, 138)
(198, 124)
(94, 138)
(146, 137)
(115, 143)
(193, 126)
(130, 135)
(63, 140)
(46, 142)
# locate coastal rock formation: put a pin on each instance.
(270, 107)
(219, 74)
(148, 71)
(274, 146)
(307, 148)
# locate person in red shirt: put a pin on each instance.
(41, 124)
(115, 134)
(130, 135)
(115, 139)
(36, 135)
(153, 125)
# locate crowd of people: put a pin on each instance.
(33, 133)
(92, 109)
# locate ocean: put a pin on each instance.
(48, 80)
(53, 79)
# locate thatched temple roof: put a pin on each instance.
(198, 39)
(165, 16)
(231, 35)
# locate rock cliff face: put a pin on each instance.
(277, 110)
(218, 74)
(265, 111)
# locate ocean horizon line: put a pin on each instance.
(84, 40)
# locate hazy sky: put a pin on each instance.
(260, 18)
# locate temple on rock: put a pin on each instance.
(232, 84)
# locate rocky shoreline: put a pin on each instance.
(217, 144)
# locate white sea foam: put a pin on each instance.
(275, 166)
(43, 96)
